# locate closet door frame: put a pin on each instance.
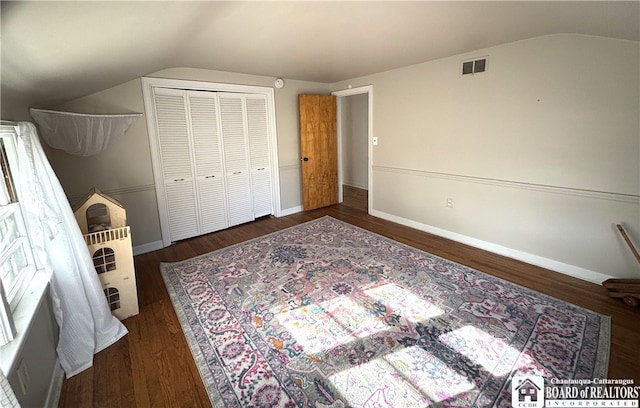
(148, 86)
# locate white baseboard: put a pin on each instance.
(292, 210)
(356, 185)
(567, 269)
(148, 247)
(55, 386)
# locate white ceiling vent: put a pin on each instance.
(474, 66)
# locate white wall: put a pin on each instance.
(125, 171)
(541, 154)
(354, 124)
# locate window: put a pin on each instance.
(98, 218)
(113, 298)
(104, 259)
(17, 265)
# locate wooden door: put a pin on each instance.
(319, 150)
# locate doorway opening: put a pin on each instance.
(355, 135)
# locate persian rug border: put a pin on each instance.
(192, 341)
(190, 328)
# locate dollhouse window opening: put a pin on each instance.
(104, 260)
(98, 218)
(113, 298)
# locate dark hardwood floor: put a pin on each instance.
(152, 366)
(355, 197)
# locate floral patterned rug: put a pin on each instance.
(326, 314)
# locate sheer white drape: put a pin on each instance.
(83, 315)
(81, 134)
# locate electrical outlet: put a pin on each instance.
(23, 377)
(449, 202)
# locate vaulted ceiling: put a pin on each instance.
(56, 51)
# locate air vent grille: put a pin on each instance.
(474, 66)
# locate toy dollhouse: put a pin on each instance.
(102, 220)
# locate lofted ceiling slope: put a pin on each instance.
(53, 51)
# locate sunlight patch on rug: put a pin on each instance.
(353, 315)
(405, 303)
(400, 385)
(326, 314)
(480, 347)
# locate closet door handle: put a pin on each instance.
(208, 177)
(237, 172)
(305, 159)
(178, 179)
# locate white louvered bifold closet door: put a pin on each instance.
(258, 132)
(236, 158)
(175, 152)
(212, 152)
(209, 170)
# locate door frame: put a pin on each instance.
(148, 85)
(367, 89)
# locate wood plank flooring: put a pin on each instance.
(355, 197)
(152, 366)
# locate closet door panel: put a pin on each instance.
(258, 132)
(209, 167)
(233, 133)
(173, 134)
(239, 198)
(206, 138)
(236, 160)
(213, 204)
(182, 212)
(177, 169)
(261, 182)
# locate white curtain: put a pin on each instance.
(81, 134)
(83, 315)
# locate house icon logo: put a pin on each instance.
(527, 391)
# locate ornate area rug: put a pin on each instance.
(326, 314)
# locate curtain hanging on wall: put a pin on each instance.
(81, 134)
(83, 315)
